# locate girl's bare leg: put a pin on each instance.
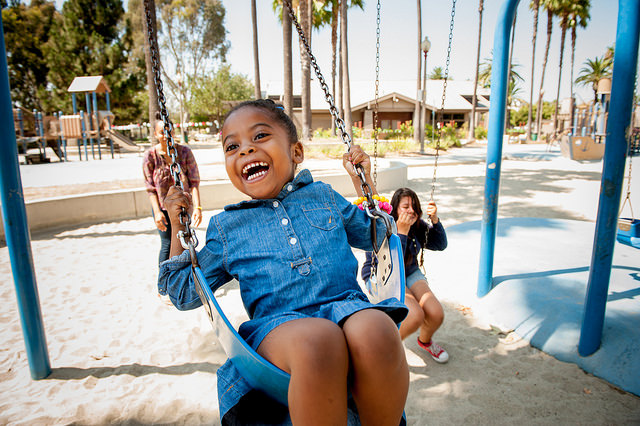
(379, 367)
(314, 351)
(433, 312)
(414, 319)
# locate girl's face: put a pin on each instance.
(406, 206)
(259, 157)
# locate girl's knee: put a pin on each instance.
(321, 348)
(372, 337)
(414, 319)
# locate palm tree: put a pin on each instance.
(437, 74)
(579, 16)
(546, 4)
(535, 6)
(562, 8)
(344, 54)
(153, 94)
(256, 60)
(287, 55)
(592, 72)
(416, 112)
(472, 124)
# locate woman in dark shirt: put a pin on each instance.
(425, 311)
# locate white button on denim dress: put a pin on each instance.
(292, 257)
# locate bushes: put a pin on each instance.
(480, 132)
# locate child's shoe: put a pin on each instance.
(436, 351)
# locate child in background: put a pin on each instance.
(290, 249)
(425, 311)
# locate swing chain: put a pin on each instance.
(346, 139)
(444, 95)
(187, 238)
(375, 108)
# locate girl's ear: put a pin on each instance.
(297, 152)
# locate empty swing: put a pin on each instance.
(256, 370)
(629, 227)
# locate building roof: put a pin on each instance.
(95, 83)
(458, 96)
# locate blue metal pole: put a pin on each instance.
(615, 152)
(84, 136)
(16, 229)
(75, 103)
(90, 124)
(64, 141)
(95, 111)
(497, 111)
(109, 122)
(43, 138)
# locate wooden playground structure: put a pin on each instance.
(90, 130)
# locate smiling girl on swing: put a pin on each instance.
(290, 249)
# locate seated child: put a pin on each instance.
(289, 247)
(425, 311)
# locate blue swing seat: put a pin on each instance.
(255, 369)
(629, 232)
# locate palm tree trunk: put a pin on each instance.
(346, 95)
(544, 68)
(472, 122)
(153, 93)
(334, 48)
(288, 65)
(555, 114)
(256, 59)
(306, 70)
(339, 90)
(536, 10)
(573, 100)
(510, 100)
(416, 112)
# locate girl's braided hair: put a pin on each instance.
(276, 111)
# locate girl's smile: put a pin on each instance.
(259, 155)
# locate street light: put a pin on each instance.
(179, 81)
(425, 45)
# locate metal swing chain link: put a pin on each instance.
(366, 189)
(375, 108)
(188, 237)
(444, 95)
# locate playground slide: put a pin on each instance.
(124, 142)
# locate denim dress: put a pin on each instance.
(292, 258)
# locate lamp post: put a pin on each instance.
(425, 45)
(182, 134)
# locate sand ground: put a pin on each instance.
(120, 355)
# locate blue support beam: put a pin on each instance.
(497, 111)
(615, 153)
(14, 215)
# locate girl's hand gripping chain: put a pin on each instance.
(175, 202)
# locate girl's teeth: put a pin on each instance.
(257, 175)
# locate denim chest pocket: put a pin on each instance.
(320, 218)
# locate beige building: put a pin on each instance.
(396, 103)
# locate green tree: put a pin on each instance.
(91, 38)
(210, 95)
(193, 39)
(26, 31)
(592, 72)
(474, 99)
(547, 5)
(578, 17)
(437, 74)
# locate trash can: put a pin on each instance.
(534, 137)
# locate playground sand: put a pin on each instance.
(120, 355)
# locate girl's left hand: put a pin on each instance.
(196, 217)
(356, 156)
(432, 211)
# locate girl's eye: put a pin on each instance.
(261, 135)
(230, 147)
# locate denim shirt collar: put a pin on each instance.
(303, 178)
